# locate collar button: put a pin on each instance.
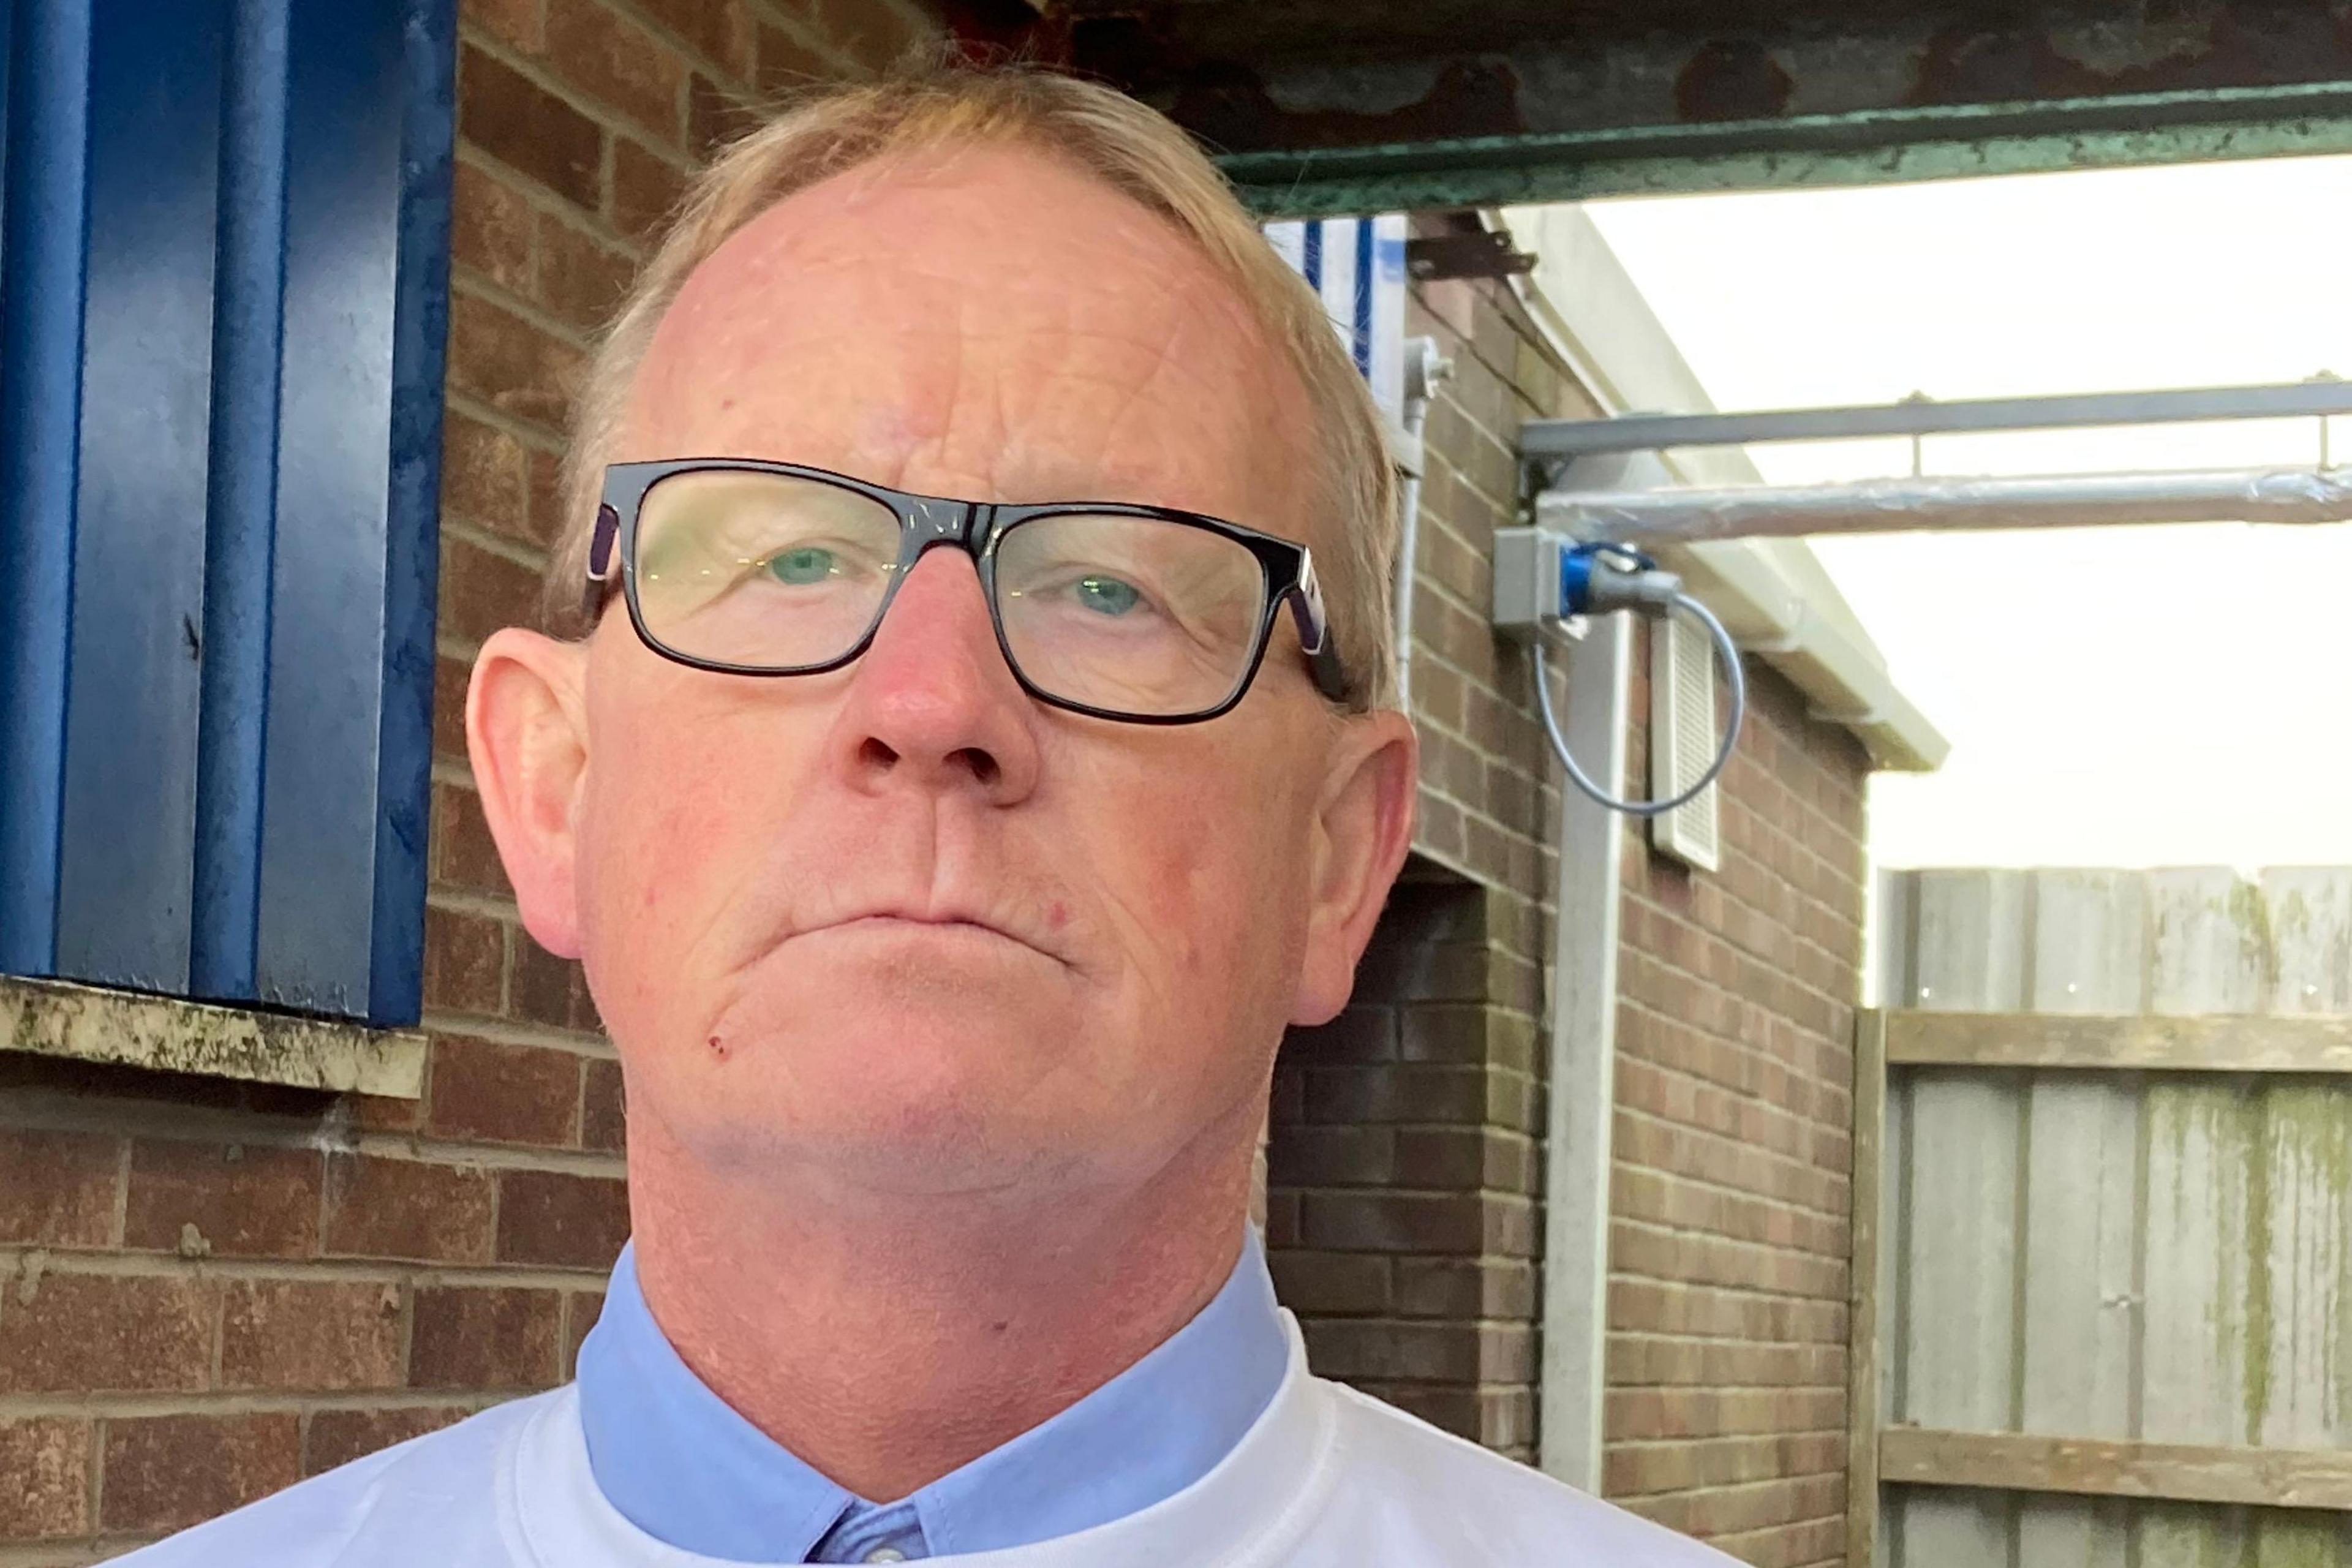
(886, 1555)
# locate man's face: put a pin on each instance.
(901, 922)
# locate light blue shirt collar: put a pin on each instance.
(679, 1463)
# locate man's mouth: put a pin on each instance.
(948, 929)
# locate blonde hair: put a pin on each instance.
(1130, 148)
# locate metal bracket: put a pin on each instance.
(1474, 253)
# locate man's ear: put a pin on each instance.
(527, 732)
(1363, 827)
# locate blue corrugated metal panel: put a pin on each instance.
(1357, 266)
(40, 401)
(127, 828)
(7, 47)
(1367, 275)
(248, 329)
(219, 415)
(412, 558)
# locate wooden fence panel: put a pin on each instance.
(2193, 1385)
(1958, 1240)
(2120, 1254)
(2302, 1290)
(2077, 1326)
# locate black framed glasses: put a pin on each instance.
(1143, 614)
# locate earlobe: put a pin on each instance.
(1363, 831)
(525, 732)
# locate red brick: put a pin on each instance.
(1449, 1409)
(515, 22)
(1344, 1096)
(1433, 1033)
(482, 591)
(96, 1333)
(562, 1220)
(1332, 1282)
(580, 279)
(465, 856)
(1360, 1035)
(616, 62)
(546, 989)
(1441, 1288)
(519, 369)
(646, 188)
(56, 1189)
(236, 1199)
(485, 478)
(310, 1337)
(787, 65)
(407, 1209)
(484, 1339)
(715, 117)
(1418, 1352)
(450, 679)
(43, 1479)
(490, 229)
(874, 33)
(602, 1120)
(581, 1311)
(720, 30)
(528, 128)
(503, 1093)
(546, 498)
(464, 960)
(1393, 1222)
(1332, 1157)
(338, 1436)
(168, 1472)
(385, 1113)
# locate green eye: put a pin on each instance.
(1107, 595)
(808, 564)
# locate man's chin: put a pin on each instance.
(944, 1082)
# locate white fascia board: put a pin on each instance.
(1774, 594)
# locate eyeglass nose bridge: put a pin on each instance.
(930, 521)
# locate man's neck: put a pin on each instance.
(891, 1342)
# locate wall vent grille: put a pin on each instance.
(1683, 735)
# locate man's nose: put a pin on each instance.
(931, 703)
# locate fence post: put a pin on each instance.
(1862, 1318)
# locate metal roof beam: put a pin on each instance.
(1333, 105)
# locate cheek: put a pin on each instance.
(1212, 875)
(668, 827)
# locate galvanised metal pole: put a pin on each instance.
(1949, 505)
(1553, 440)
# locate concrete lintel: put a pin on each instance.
(54, 1018)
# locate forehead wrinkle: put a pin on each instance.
(1114, 341)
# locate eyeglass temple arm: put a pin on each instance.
(602, 545)
(1314, 624)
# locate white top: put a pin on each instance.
(1327, 1477)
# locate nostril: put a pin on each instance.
(876, 755)
(984, 766)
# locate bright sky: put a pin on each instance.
(2140, 697)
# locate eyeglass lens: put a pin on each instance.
(1140, 616)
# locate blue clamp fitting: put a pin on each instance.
(1601, 575)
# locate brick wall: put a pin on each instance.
(1727, 1288)
(1404, 1163)
(1405, 1173)
(209, 1291)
